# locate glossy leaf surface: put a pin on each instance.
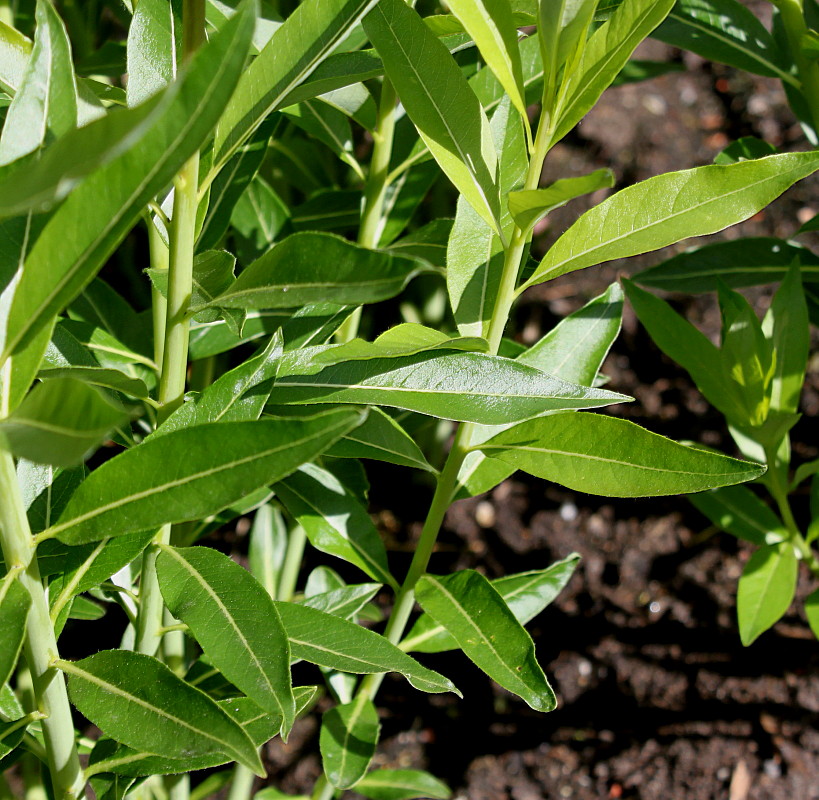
(349, 735)
(196, 471)
(666, 209)
(137, 700)
(610, 456)
(335, 643)
(402, 784)
(234, 620)
(474, 613)
(766, 589)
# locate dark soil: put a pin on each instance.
(658, 699)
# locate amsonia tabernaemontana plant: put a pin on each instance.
(274, 159)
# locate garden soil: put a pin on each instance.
(658, 700)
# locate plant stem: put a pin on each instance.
(323, 790)
(292, 564)
(41, 644)
(779, 491)
(159, 260)
(6, 12)
(175, 348)
(793, 20)
(375, 190)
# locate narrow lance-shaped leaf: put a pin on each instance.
(60, 422)
(439, 101)
(14, 605)
(473, 611)
(787, 326)
(681, 341)
(267, 547)
(335, 522)
(610, 456)
(311, 267)
(490, 24)
(45, 106)
(402, 784)
(152, 48)
(526, 594)
(234, 620)
(725, 31)
(308, 36)
(195, 471)
(666, 209)
(737, 510)
(470, 387)
(766, 589)
(109, 756)
(86, 228)
(750, 261)
(605, 53)
(349, 735)
(333, 642)
(138, 701)
(531, 205)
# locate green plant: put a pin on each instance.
(755, 378)
(211, 150)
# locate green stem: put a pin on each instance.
(375, 190)
(323, 790)
(6, 12)
(241, 787)
(292, 564)
(159, 261)
(779, 491)
(41, 644)
(793, 20)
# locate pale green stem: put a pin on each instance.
(159, 261)
(375, 190)
(241, 787)
(292, 563)
(323, 790)
(777, 486)
(793, 20)
(6, 12)
(175, 349)
(40, 646)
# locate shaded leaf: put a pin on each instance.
(766, 589)
(349, 735)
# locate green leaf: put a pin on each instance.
(526, 594)
(15, 51)
(727, 32)
(766, 589)
(153, 48)
(61, 422)
(45, 105)
(750, 261)
(683, 343)
(470, 387)
(787, 326)
(562, 29)
(528, 207)
(234, 620)
(310, 34)
(402, 784)
(85, 229)
(490, 24)
(311, 267)
(109, 756)
(267, 547)
(45, 491)
(610, 456)
(238, 395)
(604, 54)
(84, 609)
(81, 568)
(812, 611)
(98, 376)
(439, 101)
(345, 601)
(349, 735)
(381, 438)
(474, 256)
(473, 611)
(14, 604)
(737, 510)
(335, 522)
(138, 701)
(666, 209)
(196, 472)
(333, 642)
(745, 148)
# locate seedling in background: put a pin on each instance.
(235, 152)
